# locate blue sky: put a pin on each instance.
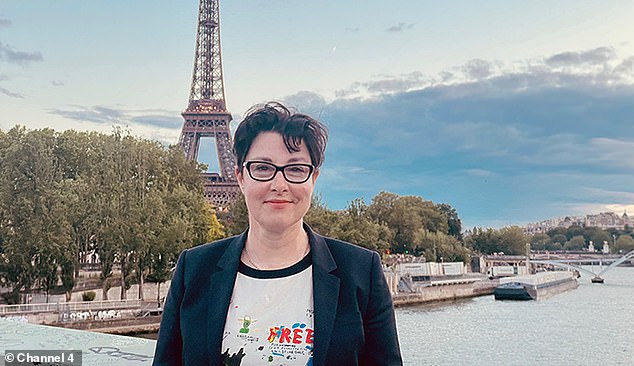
(511, 112)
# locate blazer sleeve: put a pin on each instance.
(169, 346)
(381, 347)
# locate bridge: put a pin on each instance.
(568, 261)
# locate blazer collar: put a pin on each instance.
(223, 278)
(325, 295)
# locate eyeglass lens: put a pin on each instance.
(294, 173)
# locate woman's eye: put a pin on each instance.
(263, 168)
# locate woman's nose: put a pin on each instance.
(279, 182)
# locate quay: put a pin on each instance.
(413, 283)
(111, 316)
(448, 290)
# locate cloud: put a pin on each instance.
(352, 29)
(114, 116)
(93, 114)
(8, 54)
(617, 196)
(597, 56)
(169, 121)
(614, 152)
(600, 67)
(533, 137)
(57, 83)
(384, 84)
(400, 27)
(477, 69)
(7, 92)
(10, 93)
(306, 102)
(5, 23)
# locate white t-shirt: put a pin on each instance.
(270, 317)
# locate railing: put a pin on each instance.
(69, 306)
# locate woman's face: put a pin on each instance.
(275, 205)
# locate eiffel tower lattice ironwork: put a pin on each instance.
(206, 114)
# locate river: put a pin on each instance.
(590, 325)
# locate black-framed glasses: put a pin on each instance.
(263, 171)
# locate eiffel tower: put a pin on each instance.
(206, 114)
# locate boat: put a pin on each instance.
(535, 286)
(596, 279)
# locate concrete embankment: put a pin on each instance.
(446, 291)
(148, 324)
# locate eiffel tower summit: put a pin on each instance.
(206, 115)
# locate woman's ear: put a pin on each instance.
(240, 178)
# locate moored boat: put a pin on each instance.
(535, 286)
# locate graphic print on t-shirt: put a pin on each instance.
(270, 318)
(246, 322)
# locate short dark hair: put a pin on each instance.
(295, 128)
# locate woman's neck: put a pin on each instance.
(265, 249)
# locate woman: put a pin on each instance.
(279, 294)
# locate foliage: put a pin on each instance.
(624, 244)
(509, 240)
(88, 296)
(405, 216)
(575, 243)
(66, 196)
(577, 238)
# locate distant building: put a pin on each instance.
(604, 220)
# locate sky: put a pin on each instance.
(510, 111)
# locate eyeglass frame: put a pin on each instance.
(247, 164)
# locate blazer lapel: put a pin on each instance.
(222, 280)
(325, 296)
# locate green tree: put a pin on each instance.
(454, 223)
(514, 240)
(438, 247)
(540, 241)
(236, 218)
(353, 225)
(34, 227)
(624, 244)
(576, 243)
(574, 230)
(486, 241)
(322, 219)
(559, 238)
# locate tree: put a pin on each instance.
(624, 244)
(65, 195)
(485, 241)
(559, 238)
(453, 221)
(437, 247)
(356, 227)
(404, 216)
(598, 236)
(321, 219)
(236, 218)
(35, 229)
(574, 230)
(576, 243)
(514, 240)
(540, 241)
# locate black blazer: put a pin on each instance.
(353, 313)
